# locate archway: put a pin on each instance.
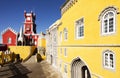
(79, 69)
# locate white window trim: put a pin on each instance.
(65, 67)
(9, 40)
(76, 31)
(114, 59)
(28, 18)
(65, 36)
(114, 24)
(54, 38)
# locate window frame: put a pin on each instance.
(102, 20)
(65, 34)
(65, 52)
(65, 68)
(77, 26)
(108, 52)
(54, 38)
(9, 41)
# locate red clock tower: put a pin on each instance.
(29, 24)
(31, 38)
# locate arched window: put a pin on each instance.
(109, 59)
(65, 34)
(108, 20)
(9, 40)
(108, 23)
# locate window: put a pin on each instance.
(35, 43)
(9, 40)
(60, 68)
(65, 34)
(108, 23)
(60, 36)
(109, 59)
(108, 20)
(54, 38)
(28, 18)
(80, 28)
(65, 68)
(65, 52)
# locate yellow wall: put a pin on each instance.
(24, 51)
(90, 11)
(42, 42)
(92, 56)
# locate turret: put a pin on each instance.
(20, 38)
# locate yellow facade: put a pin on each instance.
(93, 44)
(42, 45)
(42, 42)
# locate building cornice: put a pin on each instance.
(91, 45)
(109, 8)
(55, 25)
(67, 5)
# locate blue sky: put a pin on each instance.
(12, 13)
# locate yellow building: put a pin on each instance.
(42, 40)
(42, 45)
(88, 39)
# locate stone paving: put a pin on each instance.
(14, 71)
(29, 70)
(42, 70)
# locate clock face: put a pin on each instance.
(28, 18)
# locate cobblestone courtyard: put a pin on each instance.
(29, 70)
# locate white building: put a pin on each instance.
(51, 43)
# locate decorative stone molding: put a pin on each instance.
(67, 5)
(109, 8)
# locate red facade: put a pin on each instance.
(29, 24)
(30, 28)
(9, 37)
(27, 37)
